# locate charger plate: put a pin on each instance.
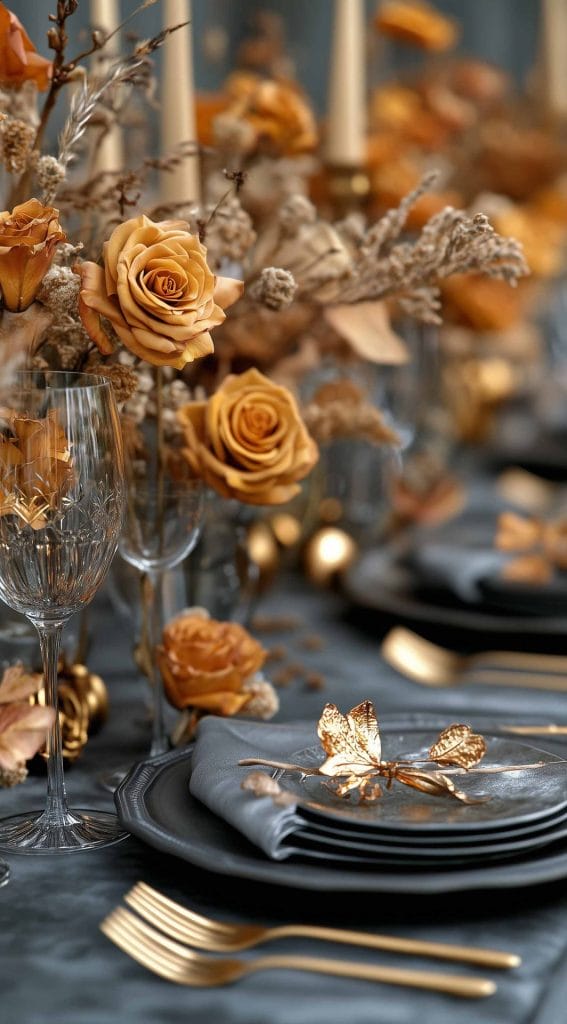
(154, 804)
(380, 583)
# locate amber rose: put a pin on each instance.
(36, 468)
(19, 61)
(248, 440)
(29, 236)
(205, 663)
(276, 110)
(157, 291)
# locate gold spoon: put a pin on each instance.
(431, 665)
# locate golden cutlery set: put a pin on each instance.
(164, 936)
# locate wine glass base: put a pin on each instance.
(84, 830)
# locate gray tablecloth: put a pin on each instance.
(57, 968)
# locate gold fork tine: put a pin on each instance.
(123, 937)
(165, 957)
(215, 936)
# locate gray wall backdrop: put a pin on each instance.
(504, 31)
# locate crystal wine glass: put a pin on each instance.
(161, 528)
(62, 497)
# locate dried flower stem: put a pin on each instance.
(386, 767)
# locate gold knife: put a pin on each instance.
(535, 730)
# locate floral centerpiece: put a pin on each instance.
(141, 299)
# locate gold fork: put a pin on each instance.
(218, 937)
(170, 960)
(431, 665)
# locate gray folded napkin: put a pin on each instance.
(279, 831)
(216, 777)
(455, 567)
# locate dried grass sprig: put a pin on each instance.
(337, 264)
(129, 70)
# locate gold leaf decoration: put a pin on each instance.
(458, 745)
(434, 783)
(354, 758)
(351, 742)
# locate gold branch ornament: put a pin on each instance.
(354, 762)
(539, 546)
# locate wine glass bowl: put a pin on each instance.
(161, 528)
(162, 524)
(62, 497)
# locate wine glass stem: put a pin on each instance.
(56, 810)
(159, 738)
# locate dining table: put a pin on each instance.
(57, 967)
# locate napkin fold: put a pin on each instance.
(456, 568)
(279, 831)
(216, 778)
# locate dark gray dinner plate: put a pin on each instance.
(379, 851)
(508, 798)
(155, 804)
(427, 841)
(527, 598)
(380, 582)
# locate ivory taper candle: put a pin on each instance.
(553, 40)
(346, 114)
(178, 122)
(108, 153)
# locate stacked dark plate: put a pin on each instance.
(406, 842)
(517, 812)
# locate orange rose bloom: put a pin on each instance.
(19, 61)
(157, 291)
(276, 110)
(29, 236)
(36, 468)
(248, 440)
(417, 23)
(205, 662)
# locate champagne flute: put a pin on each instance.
(62, 497)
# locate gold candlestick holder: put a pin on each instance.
(348, 188)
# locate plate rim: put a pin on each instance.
(413, 608)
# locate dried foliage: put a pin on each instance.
(22, 726)
(341, 409)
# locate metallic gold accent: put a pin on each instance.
(459, 745)
(330, 551)
(348, 188)
(431, 665)
(83, 707)
(354, 755)
(175, 962)
(219, 937)
(535, 730)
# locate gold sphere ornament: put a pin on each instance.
(329, 552)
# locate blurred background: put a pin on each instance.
(501, 31)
